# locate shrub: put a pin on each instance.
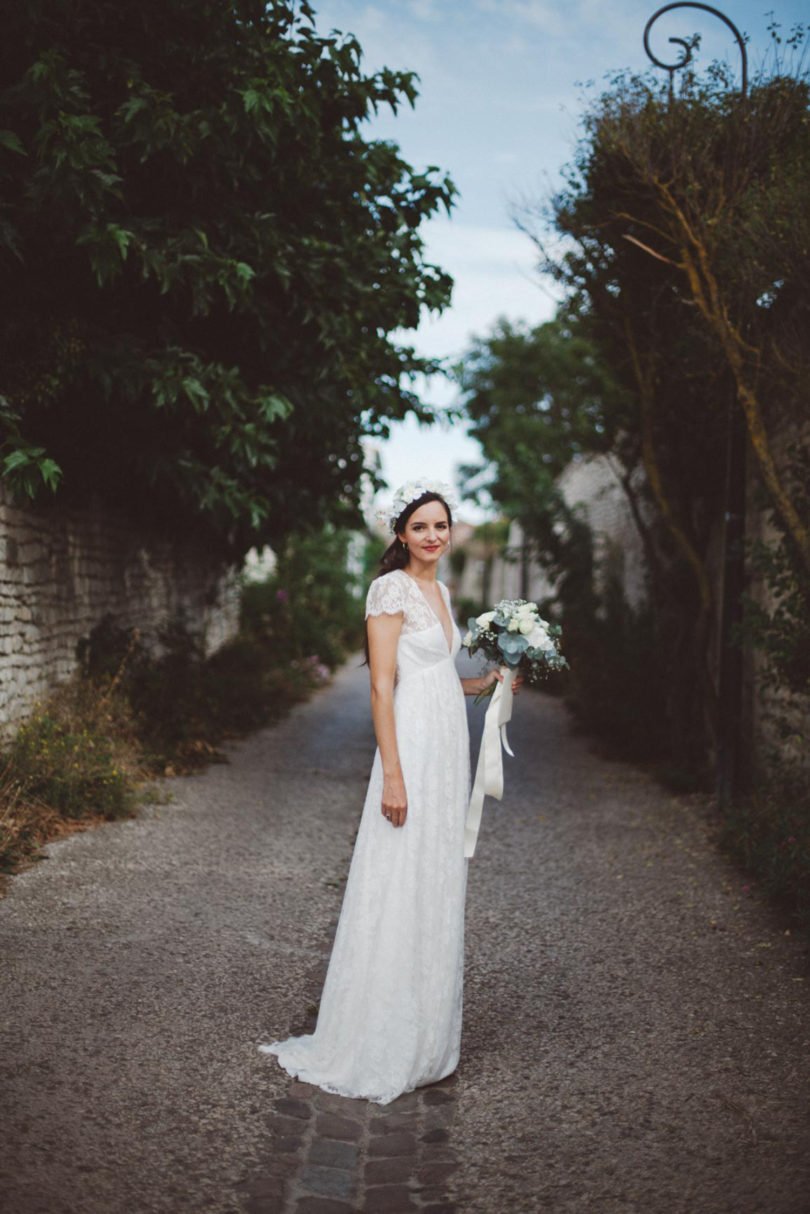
(769, 832)
(74, 761)
(69, 768)
(183, 704)
(311, 607)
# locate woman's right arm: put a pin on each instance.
(383, 637)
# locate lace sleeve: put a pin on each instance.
(386, 596)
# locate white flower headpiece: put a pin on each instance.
(409, 492)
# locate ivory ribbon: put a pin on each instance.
(489, 772)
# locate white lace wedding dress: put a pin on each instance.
(390, 1013)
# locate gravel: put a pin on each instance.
(636, 1021)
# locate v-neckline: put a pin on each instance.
(434, 613)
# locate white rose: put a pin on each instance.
(486, 619)
(468, 639)
(513, 625)
(539, 638)
(527, 625)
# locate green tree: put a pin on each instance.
(203, 261)
(711, 189)
(537, 399)
(687, 244)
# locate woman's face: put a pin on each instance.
(427, 532)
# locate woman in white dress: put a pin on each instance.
(390, 1012)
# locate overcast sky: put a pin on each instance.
(501, 90)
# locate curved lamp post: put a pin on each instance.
(686, 57)
(730, 682)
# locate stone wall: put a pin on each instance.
(590, 486)
(62, 571)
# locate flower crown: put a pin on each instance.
(409, 492)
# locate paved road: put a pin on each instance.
(636, 1023)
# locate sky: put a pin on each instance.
(502, 85)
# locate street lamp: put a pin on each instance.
(687, 46)
(730, 681)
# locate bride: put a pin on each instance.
(390, 1012)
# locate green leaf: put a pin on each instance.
(22, 458)
(12, 143)
(197, 393)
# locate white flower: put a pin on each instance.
(468, 640)
(539, 638)
(486, 619)
(526, 624)
(409, 492)
(513, 625)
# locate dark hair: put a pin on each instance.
(396, 554)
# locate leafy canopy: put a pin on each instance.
(536, 397)
(205, 261)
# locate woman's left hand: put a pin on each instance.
(495, 676)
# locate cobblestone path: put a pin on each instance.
(637, 1022)
(329, 1155)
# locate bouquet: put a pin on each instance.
(514, 635)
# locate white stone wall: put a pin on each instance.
(61, 571)
(592, 485)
